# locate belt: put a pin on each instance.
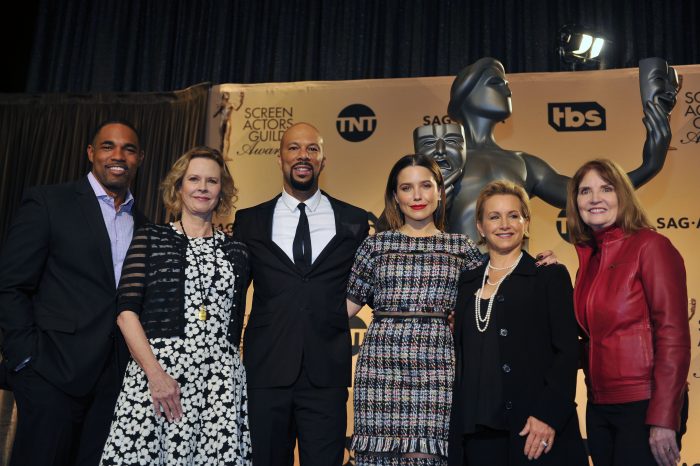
(409, 315)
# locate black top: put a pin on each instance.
(153, 281)
(481, 379)
(537, 339)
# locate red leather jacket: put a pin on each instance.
(634, 312)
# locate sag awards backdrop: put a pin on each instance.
(563, 118)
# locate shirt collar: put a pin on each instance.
(292, 203)
(102, 195)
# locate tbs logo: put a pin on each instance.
(576, 116)
(356, 122)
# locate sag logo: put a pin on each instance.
(576, 116)
(356, 122)
(561, 226)
(358, 328)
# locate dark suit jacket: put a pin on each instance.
(57, 287)
(538, 342)
(298, 315)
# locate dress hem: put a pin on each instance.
(372, 444)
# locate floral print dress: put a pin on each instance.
(214, 427)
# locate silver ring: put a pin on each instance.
(545, 444)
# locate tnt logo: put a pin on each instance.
(561, 226)
(358, 328)
(576, 116)
(356, 122)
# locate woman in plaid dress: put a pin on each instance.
(408, 273)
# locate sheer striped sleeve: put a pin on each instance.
(132, 285)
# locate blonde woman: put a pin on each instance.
(180, 305)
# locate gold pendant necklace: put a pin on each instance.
(202, 310)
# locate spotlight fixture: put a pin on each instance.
(580, 47)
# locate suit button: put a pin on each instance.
(305, 279)
(500, 298)
(504, 332)
(509, 405)
(506, 368)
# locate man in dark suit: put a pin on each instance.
(59, 269)
(297, 350)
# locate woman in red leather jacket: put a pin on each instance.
(631, 304)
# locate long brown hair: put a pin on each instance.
(392, 218)
(630, 217)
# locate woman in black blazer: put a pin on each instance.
(516, 347)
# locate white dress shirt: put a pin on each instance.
(286, 218)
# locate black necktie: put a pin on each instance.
(301, 248)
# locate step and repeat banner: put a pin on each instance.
(563, 118)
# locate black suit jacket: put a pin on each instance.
(538, 342)
(57, 287)
(299, 316)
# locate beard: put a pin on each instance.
(306, 185)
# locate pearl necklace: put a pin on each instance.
(477, 300)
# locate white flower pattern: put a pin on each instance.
(214, 428)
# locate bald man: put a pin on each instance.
(297, 350)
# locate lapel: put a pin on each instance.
(93, 218)
(139, 219)
(339, 232)
(267, 214)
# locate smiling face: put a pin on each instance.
(597, 201)
(200, 187)
(115, 155)
(658, 83)
(502, 224)
(301, 159)
(445, 144)
(417, 195)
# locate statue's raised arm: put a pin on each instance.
(658, 86)
(480, 97)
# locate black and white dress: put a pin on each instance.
(214, 427)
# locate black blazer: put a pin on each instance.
(57, 287)
(297, 313)
(533, 312)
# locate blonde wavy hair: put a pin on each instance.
(506, 187)
(172, 182)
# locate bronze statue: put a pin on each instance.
(480, 98)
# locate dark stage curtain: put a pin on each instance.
(44, 139)
(155, 45)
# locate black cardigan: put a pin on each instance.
(538, 342)
(153, 281)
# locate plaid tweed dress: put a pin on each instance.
(405, 369)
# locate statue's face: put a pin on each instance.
(491, 96)
(445, 144)
(658, 83)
